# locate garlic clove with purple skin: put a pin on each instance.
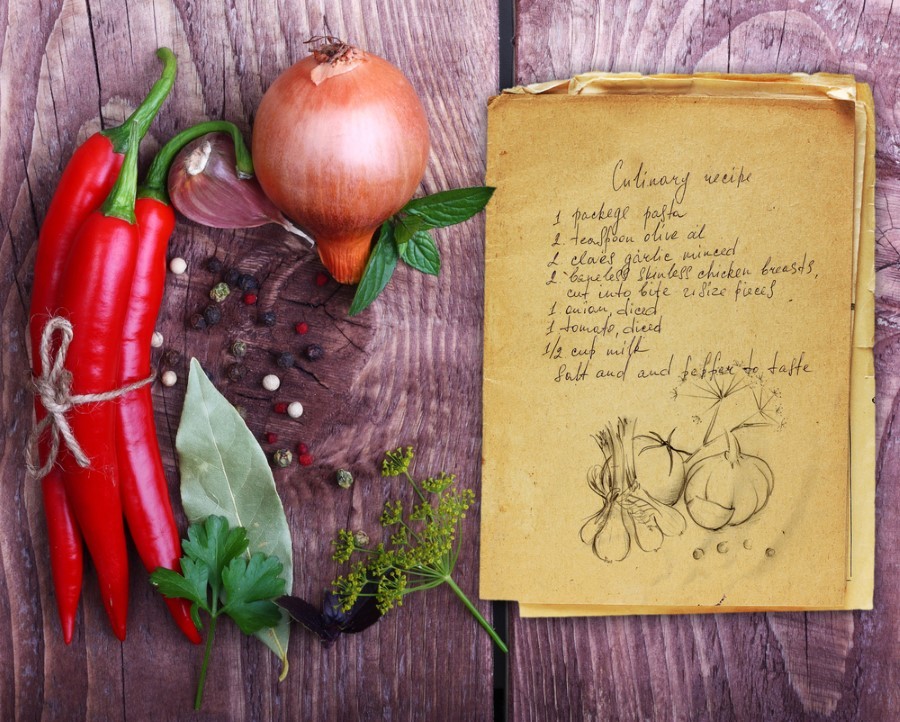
(205, 187)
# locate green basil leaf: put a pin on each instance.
(404, 229)
(224, 472)
(422, 253)
(379, 269)
(449, 207)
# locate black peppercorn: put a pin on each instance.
(197, 321)
(213, 265)
(236, 372)
(212, 314)
(267, 318)
(171, 357)
(248, 283)
(285, 360)
(314, 352)
(231, 276)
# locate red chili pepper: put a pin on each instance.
(98, 277)
(145, 491)
(85, 182)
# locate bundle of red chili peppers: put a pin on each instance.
(99, 279)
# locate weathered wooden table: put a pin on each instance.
(406, 372)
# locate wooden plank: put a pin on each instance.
(754, 666)
(405, 372)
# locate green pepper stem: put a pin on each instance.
(154, 185)
(198, 699)
(120, 201)
(481, 620)
(147, 110)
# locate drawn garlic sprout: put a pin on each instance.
(628, 513)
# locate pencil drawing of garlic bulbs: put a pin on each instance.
(628, 514)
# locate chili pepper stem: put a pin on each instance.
(120, 201)
(154, 185)
(147, 110)
(207, 652)
(481, 620)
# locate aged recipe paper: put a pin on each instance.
(678, 346)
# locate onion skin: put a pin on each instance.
(341, 156)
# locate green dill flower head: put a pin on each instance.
(397, 462)
(392, 514)
(344, 546)
(437, 484)
(350, 586)
(391, 588)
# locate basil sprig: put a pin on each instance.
(405, 236)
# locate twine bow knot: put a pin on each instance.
(54, 388)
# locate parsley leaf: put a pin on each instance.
(250, 588)
(219, 577)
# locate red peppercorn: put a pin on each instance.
(305, 459)
(321, 278)
(281, 407)
(271, 437)
(250, 298)
(302, 449)
(301, 327)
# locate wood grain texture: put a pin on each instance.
(405, 372)
(754, 666)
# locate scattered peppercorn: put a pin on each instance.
(212, 314)
(209, 374)
(321, 278)
(239, 349)
(171, 357)
(267, 318)
(242, 412)
(157, 340)
(177, 266)
(306, 459)
(246, 282)
(219, 292)
(361, 538)
(314, 352)
(236, 371)
(271, 437)
(283, 457)
(271, 382)
(301, 327)
(213, 264)
(231, 276)
(285, 360)
(197, 321)
(250, 298)
(295, 410)
(281, 407)
(344, 479)
(169, 378)
(302, 448)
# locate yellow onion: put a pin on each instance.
(340, 144)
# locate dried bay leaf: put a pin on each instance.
(224, 471)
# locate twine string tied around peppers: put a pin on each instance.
(54, 388)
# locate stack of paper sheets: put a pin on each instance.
(679, 320)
